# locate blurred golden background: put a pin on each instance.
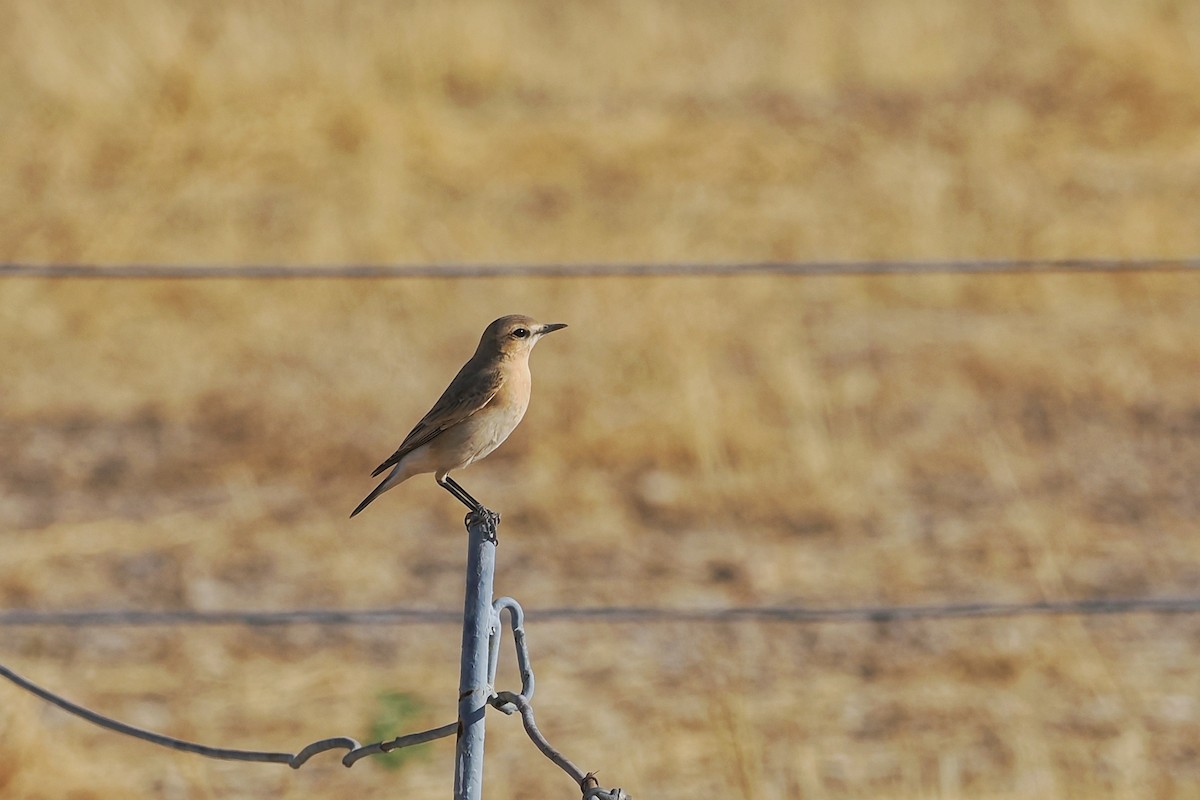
(692, 442)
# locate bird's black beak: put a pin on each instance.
(551, 327)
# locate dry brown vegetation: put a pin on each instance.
(692, 442)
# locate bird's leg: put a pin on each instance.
(451, 486)
(464, 497)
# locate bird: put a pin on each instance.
(477, 412)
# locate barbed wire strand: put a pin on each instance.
(510, 701)
(505, 701)
(608, 614)
(522, 701)
(400, 741)
(600, 269)
(294, 760)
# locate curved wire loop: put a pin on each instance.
(516, 621)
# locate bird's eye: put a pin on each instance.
(521, 333)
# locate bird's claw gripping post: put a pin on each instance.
(478, 513)
(489, 519)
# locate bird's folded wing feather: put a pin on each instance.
(469, 392)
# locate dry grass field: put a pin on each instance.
(693, 442)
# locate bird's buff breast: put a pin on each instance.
(486, 429)
(492, 425)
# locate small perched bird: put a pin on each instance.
(476, 413)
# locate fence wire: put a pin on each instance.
(607, 614)
(477, 684)
(602, 270)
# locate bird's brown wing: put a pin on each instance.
(470, 391)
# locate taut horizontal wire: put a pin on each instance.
(612, 614)
(597, 270)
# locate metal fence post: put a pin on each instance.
(473, 690)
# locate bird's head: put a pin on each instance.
(515, 335)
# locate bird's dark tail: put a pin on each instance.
(378, 490)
